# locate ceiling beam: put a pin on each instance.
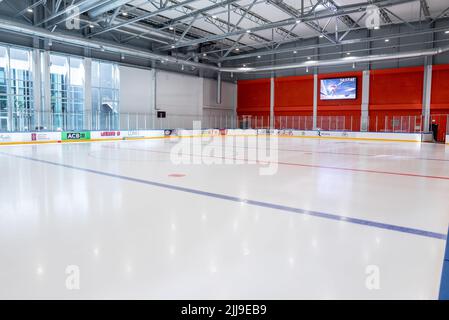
(383, 14)
(425, 9)
(81, 7)
(307, 17)
(345, 42)
(145, 16)
(297, 14)
(347, 20)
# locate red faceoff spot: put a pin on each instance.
(176, 175)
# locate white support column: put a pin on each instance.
(45, 89)
(154, 95)
(315, 100)
(272, 102)
(37, 80)
(427, 93)
(365, 101)
(88, 84)
(88, 93)
(37, 89)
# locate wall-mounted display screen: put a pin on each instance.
(338, 88)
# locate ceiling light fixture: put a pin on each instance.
(30, 10)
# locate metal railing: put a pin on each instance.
(408, 124)
(66, 121)
(91, 121)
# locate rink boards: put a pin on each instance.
(86, 136)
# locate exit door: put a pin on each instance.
(441, 122)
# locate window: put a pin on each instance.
(67, 92)
(16, 90)
(105, 95)
(3, 91)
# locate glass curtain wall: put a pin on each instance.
(105, 95)
(67, 92)
(4, 115)
(16, 90)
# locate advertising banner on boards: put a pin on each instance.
(76, 136)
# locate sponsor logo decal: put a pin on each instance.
(39, 136)
(110, 134)
(5, 137)
(133, 133)
(85, 135)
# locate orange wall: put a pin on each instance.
(294, 96)
(396, 90)
(439, 102)
(253, 97)
(440, 89)
(392, 92)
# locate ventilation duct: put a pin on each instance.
(341, 61)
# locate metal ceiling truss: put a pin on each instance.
(297, 14)
(330, 4)
(189, 12)
(305, 18)
(278, 43)
(147, 28)
(329, 45)
(443, 13)
(425, 9)
(383, 14)
(242, 11)
(70, 39)
(183, 33)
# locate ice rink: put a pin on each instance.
(338, 219)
